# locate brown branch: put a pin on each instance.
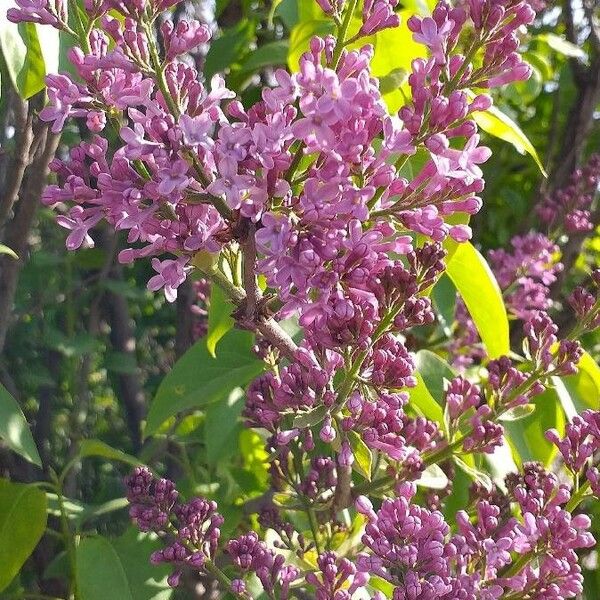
(343, 491)
(249, 269)
(270, 329)
(15, 169)
(17, 231)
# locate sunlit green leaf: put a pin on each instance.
(517, 413)
(222, 425)
(89, 448)
(9, 251)
(474, 473)
(424, 402)
(433, 477)
(14, 429)
(562, 45)
(500, 125)
(584, 386)
(300, 37)
(363, 457)
(220, 320)
(22, 522)
(198, 379)
(481, 294)
(526, 437)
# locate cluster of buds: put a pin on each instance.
(192, 527)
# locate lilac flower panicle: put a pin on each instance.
(193, 526)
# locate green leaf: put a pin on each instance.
(22, 523)
(222, 425)
(566, 401)
(584, 386)
(427, 405)
(517, 413)
(146, 581)
(198, 379)
(271, 54)
(311, 418)
(395, 49)
(31, 78)
(474, 473)
(229, 49)
(459, 497)
(562, 45)
(14, 429)
(94, 511)
(500, 125)
(481, 294)
(286, 10)
(434, 370)
(526, 437)
(500, 463)
(121, 566)
(6, 250)
(393, 81)
(433, 477)
(381, 585)
(98, 448)
(13, 47)
(443, 296)
(252, 449)
(73, 508)
(363, 458)
(220, 320)
(300, 37)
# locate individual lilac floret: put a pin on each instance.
(45, 12)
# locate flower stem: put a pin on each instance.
(577, 497)
(343, 32)
(269, 328)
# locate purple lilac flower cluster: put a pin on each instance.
(568, 209)
(192, 527)
(483, 558)
(174, 184)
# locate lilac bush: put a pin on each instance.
(306, 191)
